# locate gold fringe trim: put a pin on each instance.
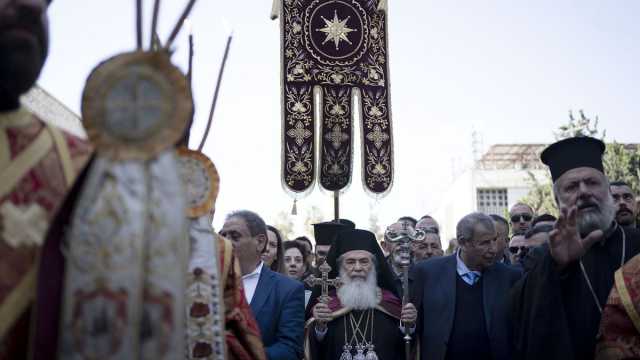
(26, 160)
(17, 301)
(5, 149)
(626, 299)
(63, 155)
(20, 117)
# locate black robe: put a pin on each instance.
(555, 315)
(387, 337)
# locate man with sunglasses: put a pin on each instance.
(518, 249)
(521, 216)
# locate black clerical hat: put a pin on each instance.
(357, 239)
(325, 232)
(571, 153)
(347, 222)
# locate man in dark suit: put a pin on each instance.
(462, 299)
(276, 301)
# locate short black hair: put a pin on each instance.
(543, 217)
(292, 244)
(305, 239)
(427, 217)
(410, 219)
(619, 183)
(543, 228)
(254, 222)
(498, 218)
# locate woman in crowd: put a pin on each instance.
(295, 255)
(273, 255)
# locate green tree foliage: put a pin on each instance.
(621, 163)
(540, 197)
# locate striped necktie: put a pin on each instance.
(470, 277)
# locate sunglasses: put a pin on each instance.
(515, 249)
(517, 217)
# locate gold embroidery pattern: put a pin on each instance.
(23, 225)
(299, 131)
(341, 46)
(336, 159)
(204, 327)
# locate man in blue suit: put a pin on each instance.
(276, 301)
(462, 299)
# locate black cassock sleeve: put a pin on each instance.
(539, 322)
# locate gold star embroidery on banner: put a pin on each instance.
(336, 30)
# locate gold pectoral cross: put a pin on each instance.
(324, 282)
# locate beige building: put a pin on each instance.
(492, 185)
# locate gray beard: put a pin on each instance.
(597, 220)
(359, 294)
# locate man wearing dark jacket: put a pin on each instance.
(462, 298)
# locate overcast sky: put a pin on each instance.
(511, 70)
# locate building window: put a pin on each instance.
(492, 201)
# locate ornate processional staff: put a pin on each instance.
(335, 65)
(405, 237)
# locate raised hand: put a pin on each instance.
(565, 243)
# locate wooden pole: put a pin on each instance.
(176, 29)
(215, 93)
(139, 24)
(154, 22)
(190, 69)
(336, 205)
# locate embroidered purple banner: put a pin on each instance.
(334, 58)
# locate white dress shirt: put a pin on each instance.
(250, 282)
(464, 271)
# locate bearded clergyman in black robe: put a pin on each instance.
(557, 306)
(362, 319)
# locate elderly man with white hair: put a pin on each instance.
(362, 318)
(557, 307)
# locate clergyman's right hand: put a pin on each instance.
(565, 243)
(322, 313)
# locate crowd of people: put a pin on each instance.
(528, 286)
(459, 303)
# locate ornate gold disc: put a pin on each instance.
(135, 105)
(201, 179)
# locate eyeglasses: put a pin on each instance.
(517, 217)
(515, 249)
(351, 263)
